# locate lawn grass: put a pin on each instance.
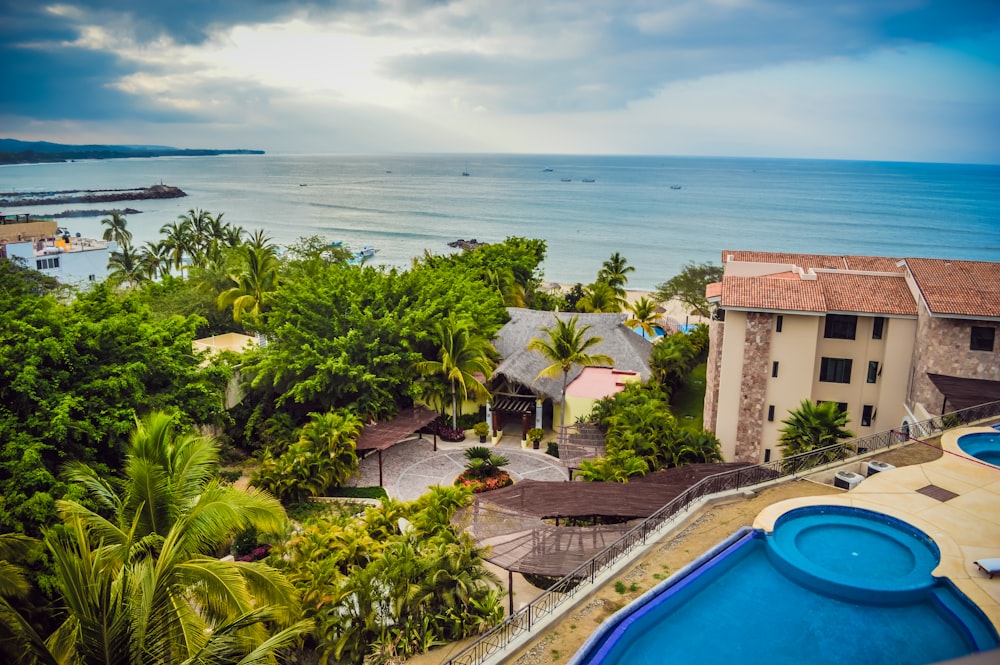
(689, 403)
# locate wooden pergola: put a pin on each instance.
(380, 436)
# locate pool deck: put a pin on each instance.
(965, 527)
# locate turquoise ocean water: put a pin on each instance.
(404, 204)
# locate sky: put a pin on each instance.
(899, 80)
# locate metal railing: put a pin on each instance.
(579, 580)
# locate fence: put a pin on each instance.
(582, 578)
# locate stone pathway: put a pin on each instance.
(411, 467)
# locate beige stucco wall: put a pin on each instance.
(794, 348)
(899, 340)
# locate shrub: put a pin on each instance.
(481, 428)
(552, 448)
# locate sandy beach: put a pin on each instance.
(674, 311)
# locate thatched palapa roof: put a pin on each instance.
(629, 351)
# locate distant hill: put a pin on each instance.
(13, 151)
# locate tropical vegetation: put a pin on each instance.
(484, 470)
(814, 426)
(688, 286)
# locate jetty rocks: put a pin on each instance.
(466, 244)
(161, 191)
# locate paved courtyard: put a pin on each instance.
(409, 468)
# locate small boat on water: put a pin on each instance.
(675, 186)
(566, 179)
(546, 170)
(365, 252)
(588, 180)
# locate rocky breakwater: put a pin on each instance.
(13, 199)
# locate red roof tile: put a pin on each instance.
(958, 288)
(867, 294)
(773, 294)
(805, 261)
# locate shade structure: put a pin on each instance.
(382, 435)
(961, 393)
(519, 523)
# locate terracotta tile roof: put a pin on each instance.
(773, 294)
(802, 260)
(867, 294)
(713, 290)
(958, 288)
(806, 261)
(873, 263)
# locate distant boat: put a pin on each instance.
(366, 251)
(302, 184)
(675, 186)
(566, 179)
(546, 170)
(588, 180)
(466, 171)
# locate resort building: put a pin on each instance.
(521, 399)
(891, 341)
(52, 251)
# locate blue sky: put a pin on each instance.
(911, 80)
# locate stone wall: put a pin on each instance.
(716, 331)
(753, 388)
(942, 347)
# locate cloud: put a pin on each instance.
(433, 65)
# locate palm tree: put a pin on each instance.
(254, 284)
(643, 316)
(813, 426)
(567, 346)
(483, 462)
(126, 266)
(140, 581)
(155, 260)
(614, 272)
(461, 354)
(117, 230)
(600, 297)
(177, 241)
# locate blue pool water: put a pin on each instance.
(981, 445)
(657, 332)
(742, 606)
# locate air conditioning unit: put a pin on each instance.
(878, 467)
(847, 480)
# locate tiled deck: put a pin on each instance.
(965, 528)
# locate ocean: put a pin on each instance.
(658, 212)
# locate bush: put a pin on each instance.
(230, 475)
(552, 448)
(481, 428)
(445, 431)
(479, 485)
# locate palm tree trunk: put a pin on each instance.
(454, 406)
(562, 412)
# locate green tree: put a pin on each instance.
(614, 272)
(689, 286)
(483, 462)
(643, 315)
(324, 456)
(74, 376)
(566, 347)
(139, 581)
(253, 285)
(616, 467)
(117, 228)
(461, 355)
(671, 361)
(813, 426)
(177, 241)
(125, 266)
(600, 297)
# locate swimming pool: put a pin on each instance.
(658, 332)
(757, 598)
(981, 445)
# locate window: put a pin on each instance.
(835, 370)
(878, 327)
(767, 455)
(982, 338)
(778, 322)
(45, 264)
(770, 413)
(840, 326)
(872, 371)
(774, 368)
(867, 415)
